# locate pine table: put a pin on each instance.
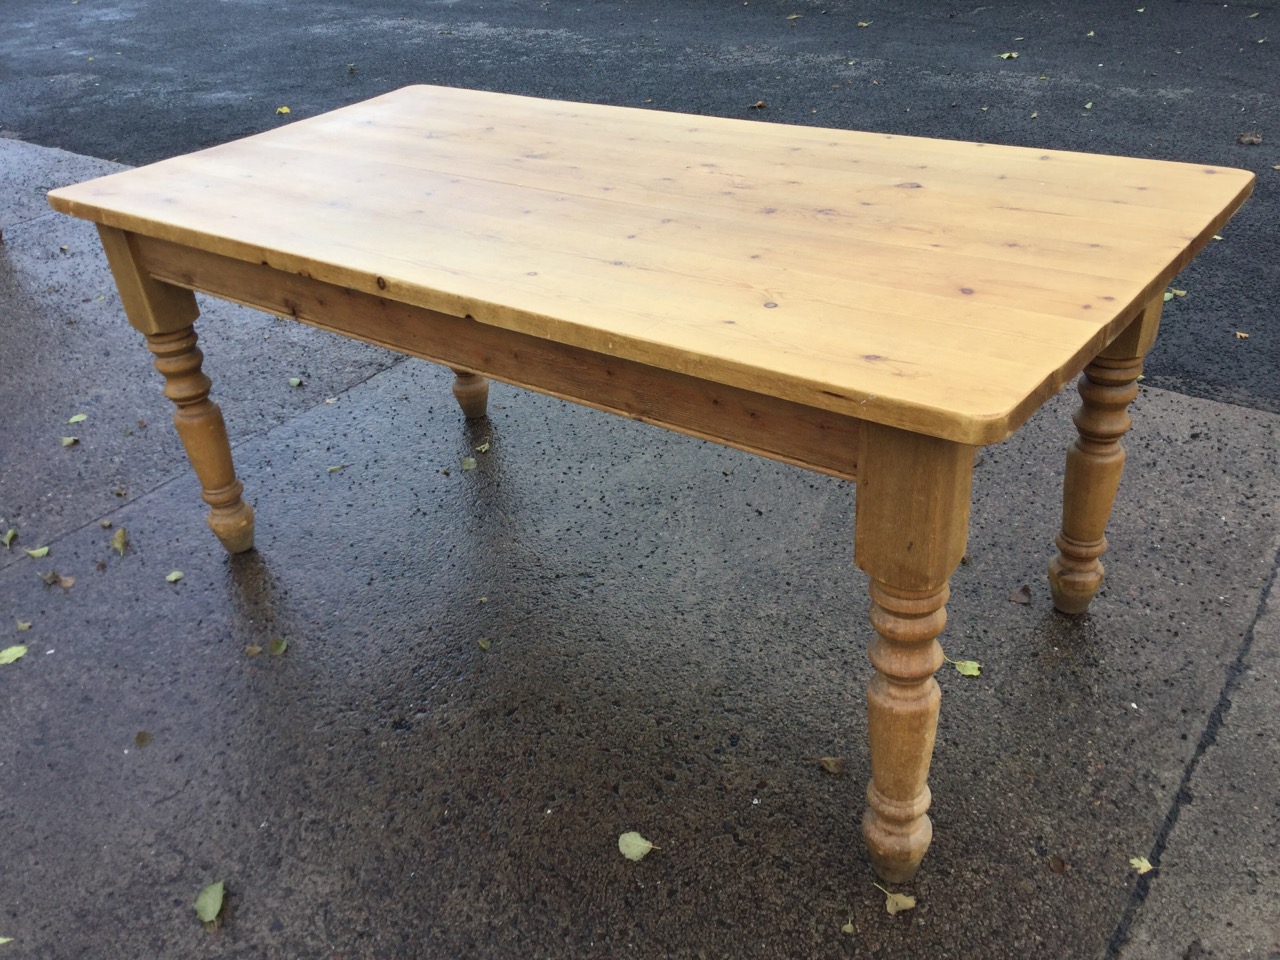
(870, 306)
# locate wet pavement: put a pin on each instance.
(673, 635)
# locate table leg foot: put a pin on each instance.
(913, 521)
(472, 393)
(1095, 462)
(204, 435)
(232, 524)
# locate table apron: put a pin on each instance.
(808, 437)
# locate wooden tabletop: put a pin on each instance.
(944, 287)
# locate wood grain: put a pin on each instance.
(816, 439)
(941, 287)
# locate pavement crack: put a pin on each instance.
(1208, 738)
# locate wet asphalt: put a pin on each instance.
(673, 632)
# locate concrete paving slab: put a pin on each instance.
(28, 172)
(1216, 891)
(676, 636)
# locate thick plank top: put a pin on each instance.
(948, 288)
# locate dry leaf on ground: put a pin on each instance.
(12, 654)
(633, 846)
(54, 578)
(896, 902)
(968, 668)
(209, 902)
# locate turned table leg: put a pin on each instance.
(472, 393)
(912, 525)
(1095, 461)
(165, 313)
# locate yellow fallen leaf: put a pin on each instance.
(832, 765)
(865, 23)
(335, 469)
(895, 902)
(7, 539)
(483, 448)
(253, 650)
(485, 643)
(118, 541)
(1007, 56)
(283, 110)
(968, 668)
(1089, 105)
(1217, 236)
(794, 16)
(1178, 293)
(209, 902)
(70, 441)
(1252, 16)
(12, 654)
(1089, 34)
(1241, 336)
(468, 463)
(78, 418)
(847, 928)
(24, 626)
(175, 576)
(1141, 864)
(633, 846)
(38, 552)
(1034, 114)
